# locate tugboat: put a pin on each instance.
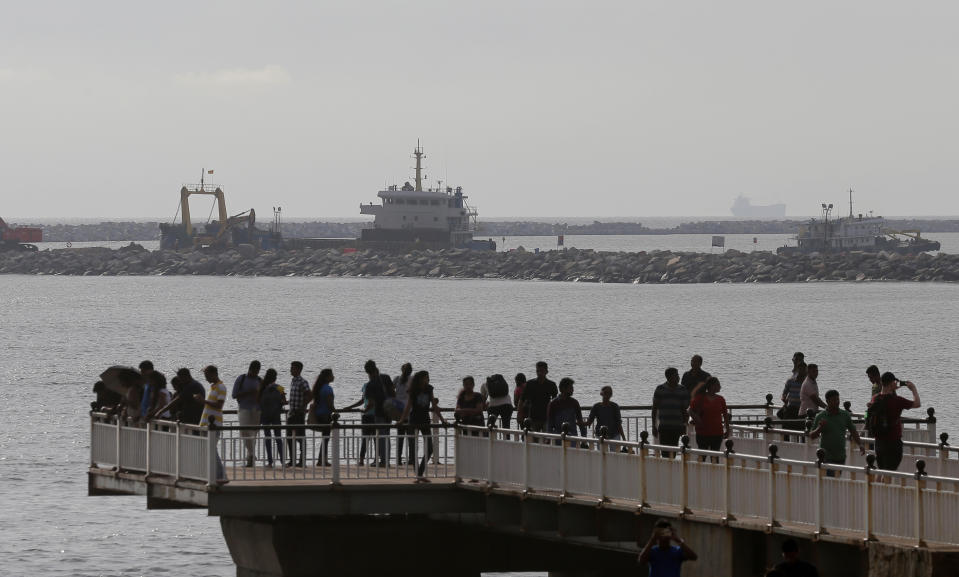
(856, 233)
(410, 214)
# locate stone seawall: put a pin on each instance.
(569, 265)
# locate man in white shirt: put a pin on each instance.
(809, 393)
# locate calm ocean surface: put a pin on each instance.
(58, 333)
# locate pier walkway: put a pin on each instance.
(548, 502)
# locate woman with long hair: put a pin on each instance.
(271, 399)
(417, 412)
(322, 409)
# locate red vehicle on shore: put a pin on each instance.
(20, 238)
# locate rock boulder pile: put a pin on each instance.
(560, 265)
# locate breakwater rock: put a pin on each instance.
(560, 265)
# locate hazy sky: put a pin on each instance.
(535, 108)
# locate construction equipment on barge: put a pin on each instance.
(225, 232)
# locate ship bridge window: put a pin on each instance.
(434, 202)
(435, 218)
(400, 201)
(416, 218)
(424, 202)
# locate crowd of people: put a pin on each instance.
(408, 404)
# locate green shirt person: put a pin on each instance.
(830, 426)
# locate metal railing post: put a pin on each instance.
(867, 495)
(727, 486)
(920, 508)
(147, 467)
(562, 461)
(603, 449)
(943, 455)
(458, 473)
(119, 426)
(931, 424)
(491, 427)
(526, 440)
(92, 437)
(820, 500)
(769, 405)
(773, 450)
(335, 449)
(643, 441)
(177, 449)
(211, 455)
(684, 476)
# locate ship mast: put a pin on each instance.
(850, 202)
(418, 153)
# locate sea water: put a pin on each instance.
(58, 333)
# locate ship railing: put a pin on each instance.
(765, 488)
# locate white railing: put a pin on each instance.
(235, 453)
(767, 487)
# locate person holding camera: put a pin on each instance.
(664, 558)
(884, 420)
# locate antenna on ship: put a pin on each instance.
(850, 202)
(418, 153)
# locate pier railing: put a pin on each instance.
(767, 488)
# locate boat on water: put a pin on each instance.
(422, 216)
(743, 208)
(865, 233)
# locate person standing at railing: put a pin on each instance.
(664, 558)
(606, 413)
(669, 414)
(695, 375)
(159, 397)
(271, 399)
(710, 415)
(323, 409)
(496, 392)
(185, 403)
(536, 397)
(373, 395)
(564, 410)
(469, 404)
(885, 420)
(146, 369)
(798, 357)
(401, 393)
(420, 403)
(830, 428)
(246, 389)
(809, 392)
(300, 396)
(792, 398)
(213, 408)
(520, 385)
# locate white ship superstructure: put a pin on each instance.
(410, 213)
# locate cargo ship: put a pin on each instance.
(743, 208)
(411, 214)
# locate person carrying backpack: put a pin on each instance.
(884, 420)
(496, 392)
(271, 401)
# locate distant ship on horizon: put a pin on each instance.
(743, 208)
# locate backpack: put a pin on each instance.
(497, 387)
(271, 401)
(877, 417)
